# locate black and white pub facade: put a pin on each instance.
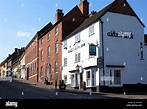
(107, 51)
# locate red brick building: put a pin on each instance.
(31, 56)
(50, 46)
(31, 60)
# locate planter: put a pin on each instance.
(62, 85)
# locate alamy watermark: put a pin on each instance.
(8, 103)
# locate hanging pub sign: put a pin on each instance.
(121, 34)
(100, 62)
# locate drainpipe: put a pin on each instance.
(37, 58)
(103, 51)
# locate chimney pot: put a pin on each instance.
(59, 14)
(84, 7)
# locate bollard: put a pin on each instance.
(22, 93)
(56, 93)
(124, 93)
(90, 93)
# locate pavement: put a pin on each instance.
(131, 95)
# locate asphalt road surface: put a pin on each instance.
(17, 93)
(20, 90)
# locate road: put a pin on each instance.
(28, 94)
(20, 90)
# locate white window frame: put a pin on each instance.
(88, 85)
(77, 57)
(56, 66)
(42, 55)
(65, 61)
(56, 47)
(77, 37)
(92, 70)
(91, 30)
(48, 36)
(48, 51)
(56, 31)
(65, 44)
(112, 84)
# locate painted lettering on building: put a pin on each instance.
(76, 47)
(121, 34)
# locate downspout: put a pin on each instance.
(103, 65)
(37, 59)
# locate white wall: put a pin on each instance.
(124, 51)
(23, 71)
(118, 51)
(85, 60)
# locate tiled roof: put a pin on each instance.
(117, 6)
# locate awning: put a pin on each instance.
(119, 66)
(89, 67)
(72, 71)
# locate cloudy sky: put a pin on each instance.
(21, 19)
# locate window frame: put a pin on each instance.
(49, 37)
(56, 31)
(77, 57)
(56, 66)
(48, 51)
(77, 37)
(111, 81)
(56, 47)
(65, 61)
(91, 30)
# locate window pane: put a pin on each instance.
(77, 37)
(91, 30)
(88, 78)
(117, 77)
(56, 31)
(92, 50)
(48, 36)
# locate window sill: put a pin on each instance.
(91, 34)
(116, 85)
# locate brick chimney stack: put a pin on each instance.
(59, 14)
(84, 7)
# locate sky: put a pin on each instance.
(21, 19)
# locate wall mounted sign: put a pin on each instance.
(100, 62)
(121, 34)
(76, 47)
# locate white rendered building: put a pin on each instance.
(107, 51)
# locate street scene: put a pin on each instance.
(89, 50)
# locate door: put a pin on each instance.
(28, 73)
(81, 80)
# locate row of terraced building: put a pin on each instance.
(86, 50)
